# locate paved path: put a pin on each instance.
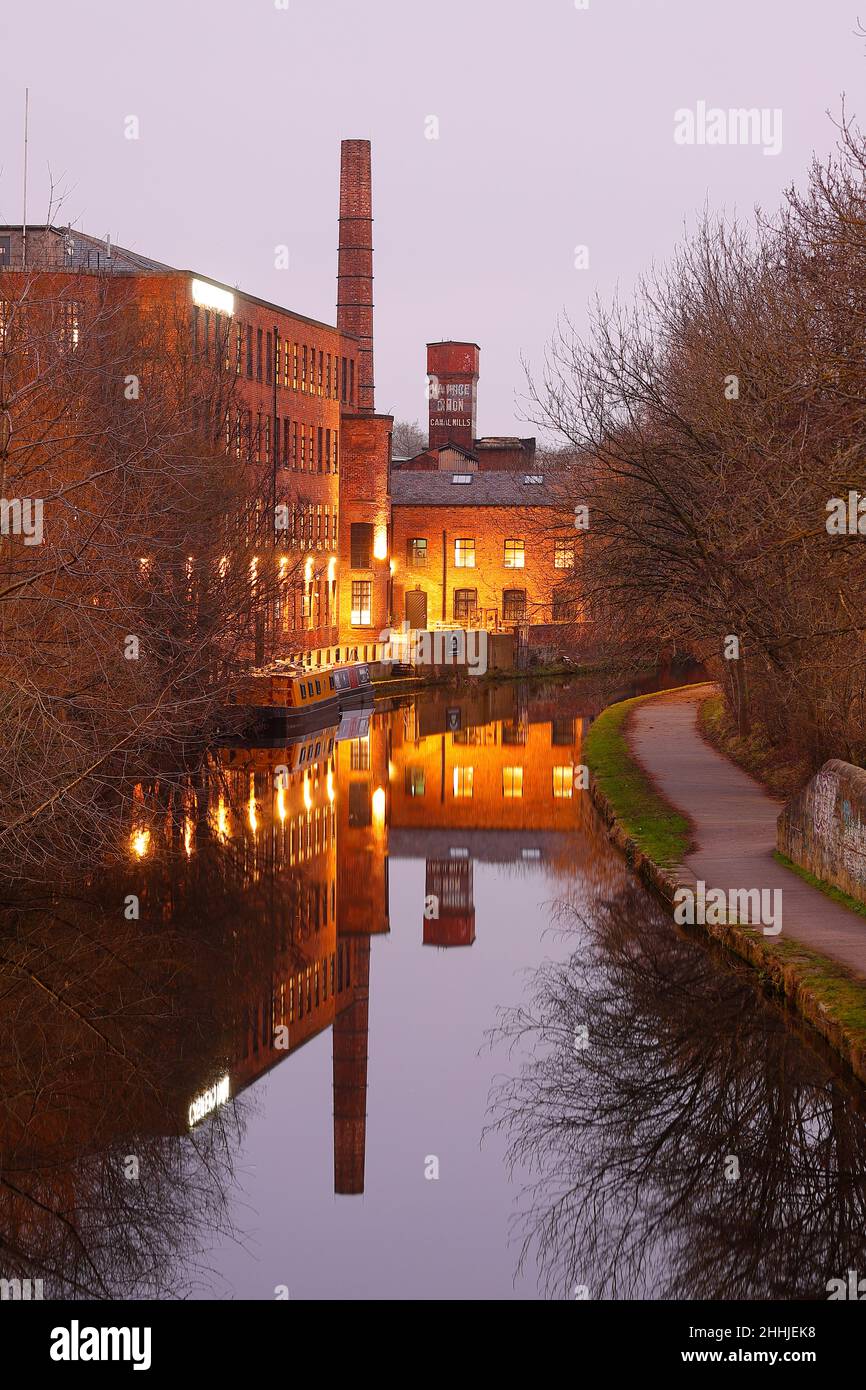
(734, 822)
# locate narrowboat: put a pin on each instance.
(289, 696)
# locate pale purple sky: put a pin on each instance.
(555, 130)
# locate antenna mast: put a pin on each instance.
(24, 217)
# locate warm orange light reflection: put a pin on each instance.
(379, 805)
(139, 843)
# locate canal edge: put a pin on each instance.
(784, 977)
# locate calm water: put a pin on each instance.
(404, 1026)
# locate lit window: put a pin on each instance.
(416, 781)
(416, 551)
(359, 754)
(462, 478)
(514, 554)
(563, 555)
(362, 592)
(563, 782)
(532, 479)
(464, 553)
(463, 777)
(512, 782)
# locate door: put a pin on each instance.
(416, 609)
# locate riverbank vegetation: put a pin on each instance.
(709, 426)
(125, 560)
(776, 767)
(656, 827)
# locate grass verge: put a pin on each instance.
(656, 827)
(828, 889)
(773, 767)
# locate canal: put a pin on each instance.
(381, 1014)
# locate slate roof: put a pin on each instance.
(490, 489)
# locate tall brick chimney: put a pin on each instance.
(350, 1034)
(355, 261)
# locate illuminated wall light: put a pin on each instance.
(212, 297)
(308, 800)
(281, 803)
(222, 821)
(329, 782)
(208, 1101)
(308, 569)
(332, 567)
(379, 804)
(380, 544)
(139, 843)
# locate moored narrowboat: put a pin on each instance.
(290, 696)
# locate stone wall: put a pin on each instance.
(823, 827)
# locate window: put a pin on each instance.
(361, 545)
(5, 250)
(563, 555)
(533, 479)
(563, 607)
(514, 554)
(416, 781)
(268, 358)
(463, 777)
(249, 349)
(464, 553)
(562, 731)
(416, 552)
(258, 354)
(465, 603)
(362, 592)
(513, 605)
(462, 478)
(512, 782)
(359, 754)
(360, 805)
(563, 782)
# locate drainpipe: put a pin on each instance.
(444, 575)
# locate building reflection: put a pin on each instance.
(305, 832)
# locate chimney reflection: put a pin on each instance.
(296, 841)
(449, 905)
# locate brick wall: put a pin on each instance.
(823, 827)
(489, 527)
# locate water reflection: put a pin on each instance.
(138, 1010)
(684, 1141)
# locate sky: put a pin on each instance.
(505, 135)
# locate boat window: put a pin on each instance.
(318, 687)
(331, 680)
(303, 691)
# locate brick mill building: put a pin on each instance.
(468, 532)
(481, 536)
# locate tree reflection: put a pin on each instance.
(103, 1192)
(626, 1143)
